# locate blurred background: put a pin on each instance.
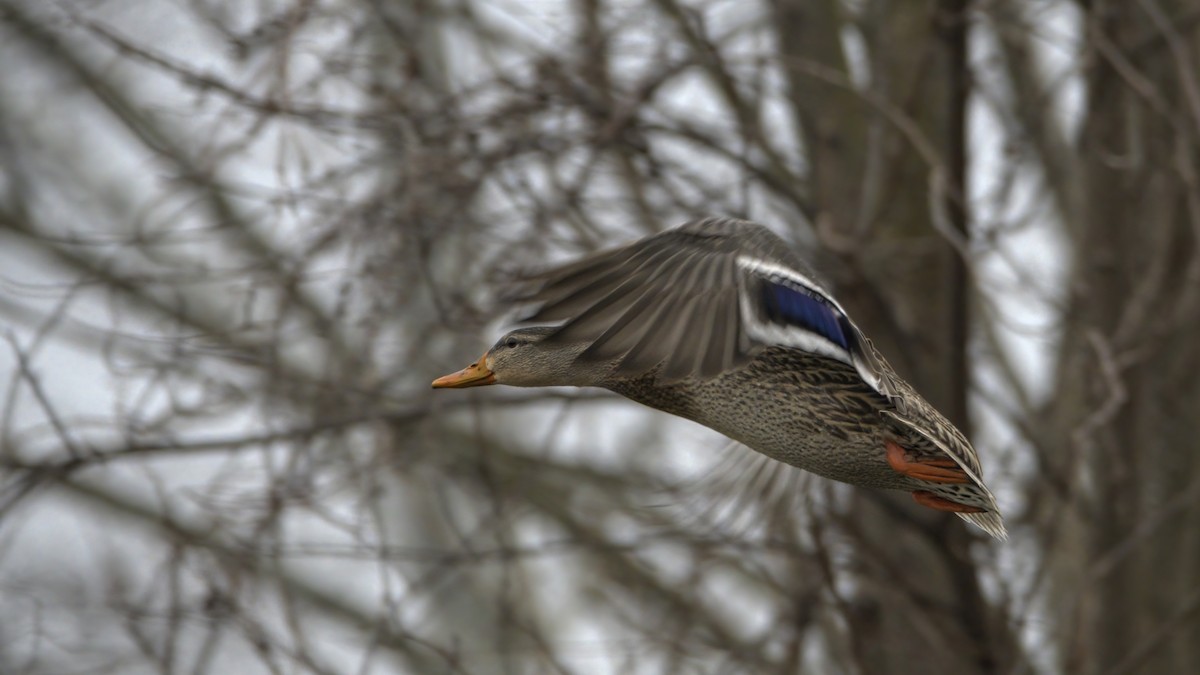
(238, 240)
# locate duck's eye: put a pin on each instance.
(510, 342)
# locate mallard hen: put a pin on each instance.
(718, 321)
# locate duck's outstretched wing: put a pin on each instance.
(698, 300)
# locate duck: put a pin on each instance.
(718, 321)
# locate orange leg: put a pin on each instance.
(940, 504)
(932, 470)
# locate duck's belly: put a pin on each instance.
(851, 452)
(825, 421)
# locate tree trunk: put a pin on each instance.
(907, 286)
(1134, 299)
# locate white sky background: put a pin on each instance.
(56, 542)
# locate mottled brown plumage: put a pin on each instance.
(719, 322)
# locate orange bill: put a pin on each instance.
(475, 375)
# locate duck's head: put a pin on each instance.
(524, 358)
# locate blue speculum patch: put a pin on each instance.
(792, 306)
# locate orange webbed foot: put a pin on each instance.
(934, 470)
(937, 503)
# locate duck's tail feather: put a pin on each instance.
(988, 521)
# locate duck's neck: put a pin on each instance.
(559, 365)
